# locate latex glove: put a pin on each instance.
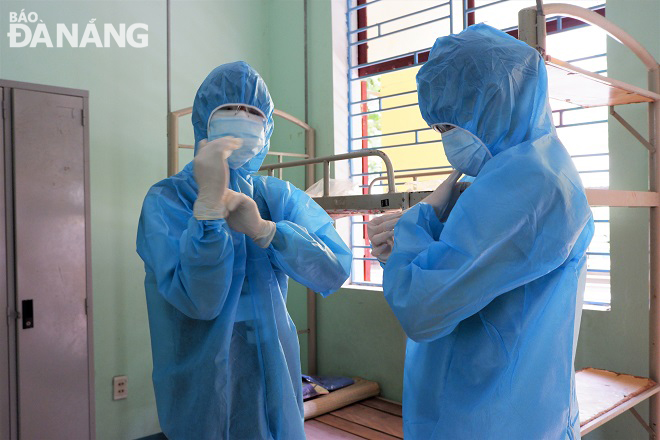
(243, 216)
(211, 173)
(439, 199)
(381, 235)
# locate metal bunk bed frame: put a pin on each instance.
(578, 86)
(567, 83)
(173, 147)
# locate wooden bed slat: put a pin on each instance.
(320, 431)
(383, 405)
(372, 418)
(602, 395)
(354, 428)
(569, 83)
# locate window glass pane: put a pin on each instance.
(584, 139)
(592, 163)
(577, 43)
(598, 262)
(601, 213)
(373, 271)
(601, 240)
(597, 292)
(392, 31)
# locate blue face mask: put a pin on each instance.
(250, 130)
(465, 151)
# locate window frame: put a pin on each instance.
(363, 69)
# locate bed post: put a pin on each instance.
(654, 304)
(310, 178)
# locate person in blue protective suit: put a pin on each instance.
(219, 244)
(491, 298)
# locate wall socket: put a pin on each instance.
(119, 387)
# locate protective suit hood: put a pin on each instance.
(490, 84)
(233, 83)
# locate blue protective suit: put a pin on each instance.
(225, 351)
(488, 299)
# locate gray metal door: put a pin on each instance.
(49, 202)
(5, 394)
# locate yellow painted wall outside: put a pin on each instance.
(408, 118)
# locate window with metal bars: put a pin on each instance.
(389, 40)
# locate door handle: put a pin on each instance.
(27, 313)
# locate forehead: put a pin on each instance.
(241, 107)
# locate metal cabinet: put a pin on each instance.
(46, 358)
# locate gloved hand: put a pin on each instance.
(439, 199)
(243, 216)
(381, 235)
(212, 176)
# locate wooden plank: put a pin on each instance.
(608, 197)
(572, 84)
(383, 405)
(354, 428)
(320, 431)
(603, 395)
(360, 390)
(372, 418)
(606, 417)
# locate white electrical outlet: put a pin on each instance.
(119, 387)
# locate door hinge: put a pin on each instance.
(86, 307)
(82, 117)
(13, 314)
(2, 110)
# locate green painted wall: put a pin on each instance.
(286, 86)
(357, 333)
(127, 148)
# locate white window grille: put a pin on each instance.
(389, 40)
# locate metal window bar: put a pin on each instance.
(414, 58)
(360, 6)
(398, 64)
(553, 25)
(326, 161)
(173, 145)
(366, 40)
(400, 17)
(407, 144)
(469, 9)
(359, 138)
(416, 55)
(369, 112)
(406, 170)
(589, 155)
(381, 98)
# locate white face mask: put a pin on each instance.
(248, 127)
(465, 151)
